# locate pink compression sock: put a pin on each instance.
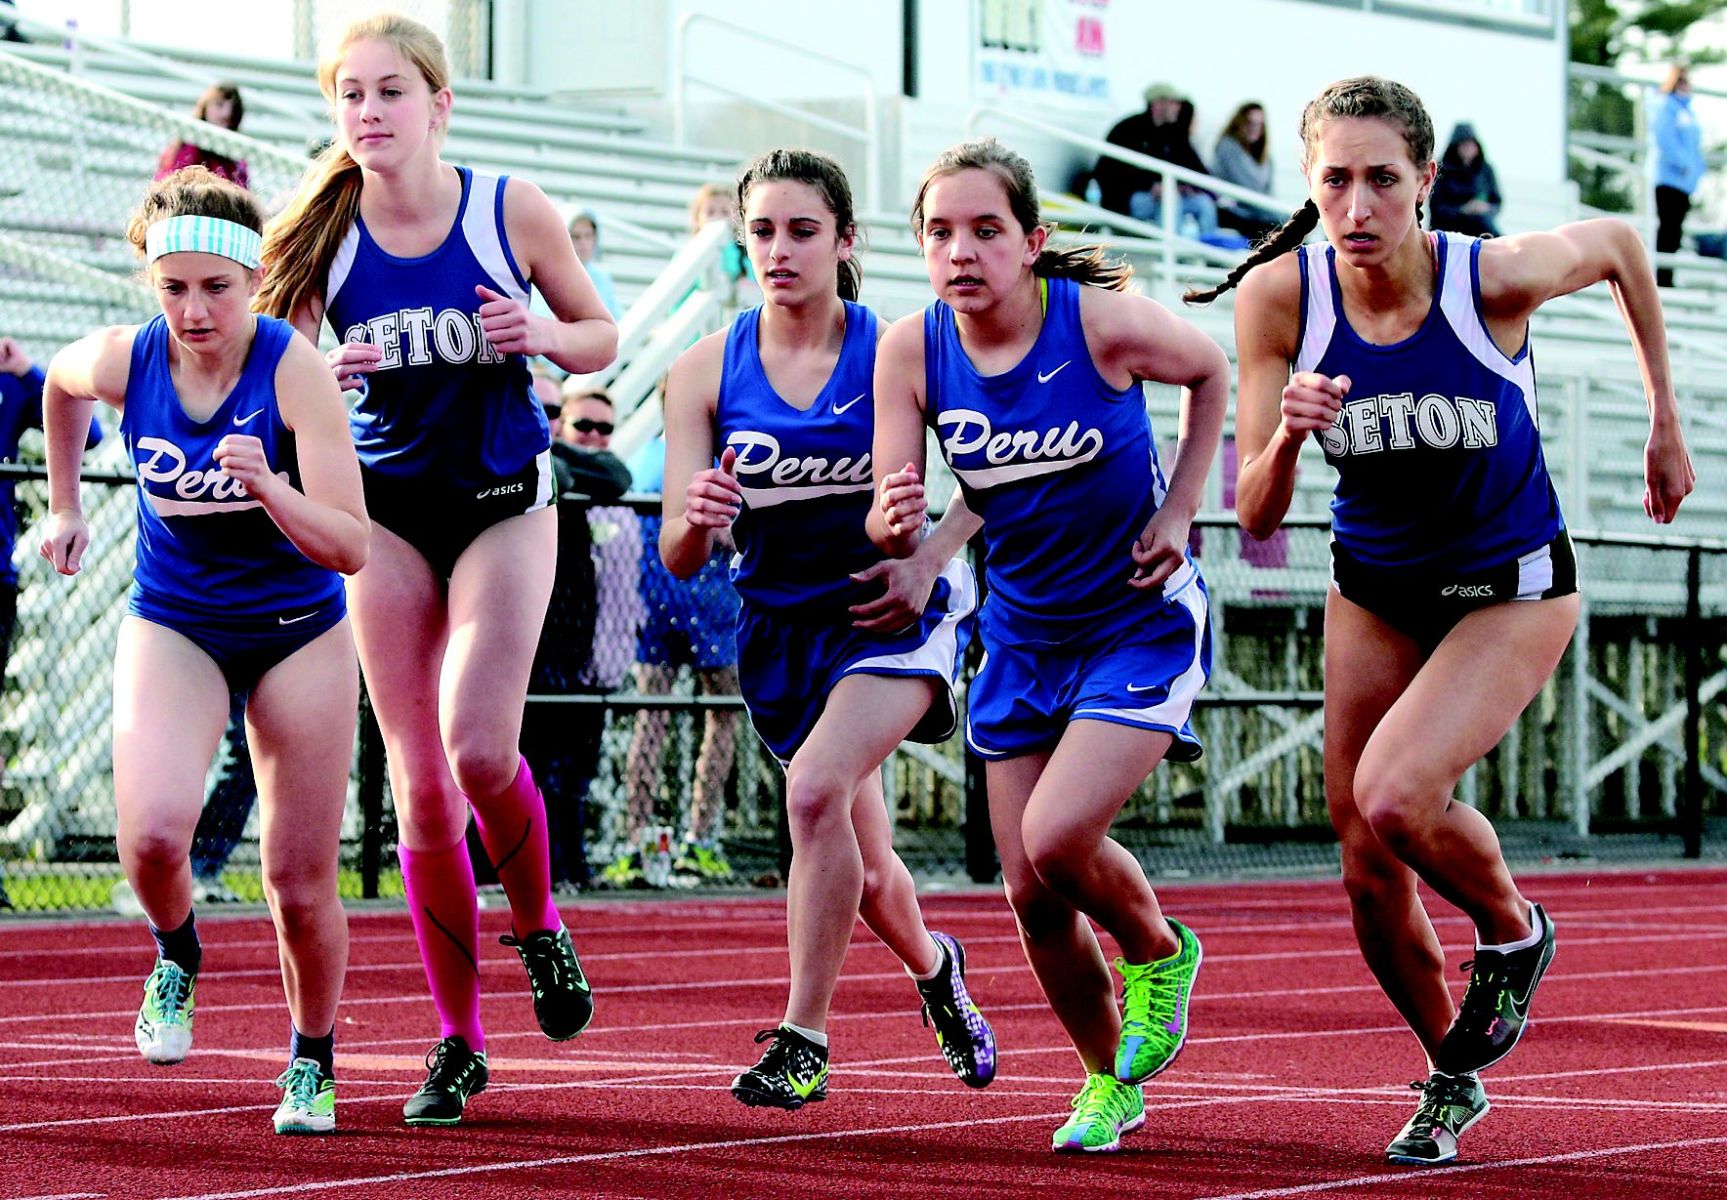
(513, 828)
(441, 900)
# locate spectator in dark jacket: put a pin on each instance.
(1466, 194)
(1161, 131)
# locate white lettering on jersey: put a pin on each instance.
(1374, 424)
(448, 334)
(196, 492)
(760, 460)
(1018, 455)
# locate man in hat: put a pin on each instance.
(1161, 130)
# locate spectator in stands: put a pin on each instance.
(20, 409)
(1679, 163)
(9, 32)
(1243, 157)
(562, 742)
(585, 237)
(1161, 131)
(1450, 558)
(1466, 194)
(221, 106)
(689, 624)
(713, 202)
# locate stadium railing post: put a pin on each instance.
(371, 793)
(1691, 810)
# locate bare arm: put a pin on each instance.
(907, 582)
(327, 521)
(1274, 414)
(896, 519)
(698, 500)
(583, 337)
(94, 368)
(1131, 337)
(1520, 273)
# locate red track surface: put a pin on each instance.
(1291, 1085)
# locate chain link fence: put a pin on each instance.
(645, 754)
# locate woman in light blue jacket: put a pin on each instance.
(1678, 163)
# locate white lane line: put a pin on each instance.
(1390, 1178)
(1016, 964)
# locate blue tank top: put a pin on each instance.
(443, 403)
(805, 475)
(1060, 465)
(1437, 446)
(205, 548)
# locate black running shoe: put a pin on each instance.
(1495, 1008)
(965, 1038)
(563, 1001)
(1450, 1104)
(454, 1073)
(793, 1073)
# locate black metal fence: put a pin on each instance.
(654, 780)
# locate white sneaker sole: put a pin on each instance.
(166, 1046)
(301, 1122)
(1107, 1147)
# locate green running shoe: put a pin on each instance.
(1450, 1104)
(1154, 1008)
(453, 1073)
(164, 1027)
(308, 1099)
(1105, 1109)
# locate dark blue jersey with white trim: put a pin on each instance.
(805, 473)
(206, 548)
(1437, 445)
(442, 402)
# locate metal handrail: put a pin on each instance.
(47, 30)
(1168, 171)
(868, 135)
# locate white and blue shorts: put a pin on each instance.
(1145, 673)
(787, 667)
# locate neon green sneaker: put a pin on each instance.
(1105, 1109)
(1154, 1008)
(706, 861)
(164, 1027)
(308, 1099)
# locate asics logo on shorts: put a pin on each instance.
(503, 489)
(1469, 591)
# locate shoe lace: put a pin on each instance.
(1488, 980)
(301, 1082)
(169, 986)
(550, 961)
(1438, 1093)
(1147, 995)
(445, 1068)
(779, 1054)
(1096, 1098)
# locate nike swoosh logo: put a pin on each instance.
(803, 1087)
(840, 408)
(296, 620)
(1140, 689)
(246, 418)
(1045, 378)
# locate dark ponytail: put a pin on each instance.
(1082, 264)
(1281, 240)
(829, 180)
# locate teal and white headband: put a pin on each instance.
(204, 235)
